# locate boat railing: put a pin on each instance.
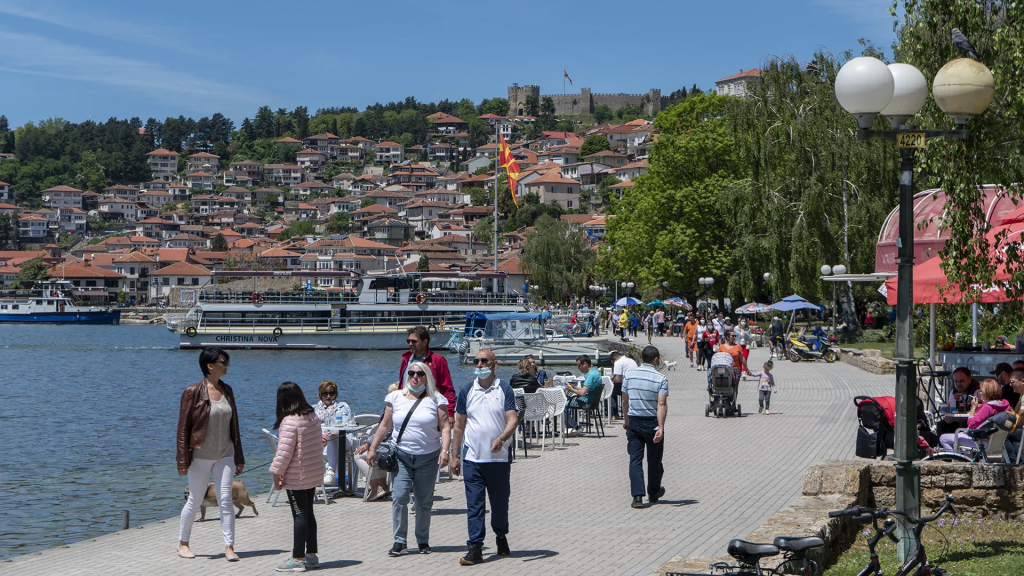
(275, 297)
(311, 325)
(448, 297)
(474, 297)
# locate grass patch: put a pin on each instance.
(962, 546)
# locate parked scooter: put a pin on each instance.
(800, 349)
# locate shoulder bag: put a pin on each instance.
(387, 454)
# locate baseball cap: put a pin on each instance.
(1002, 367)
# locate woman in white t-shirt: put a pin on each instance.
(423, 448)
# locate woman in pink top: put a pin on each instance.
(991, 404)
(298, 468)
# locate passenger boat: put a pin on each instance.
(510, 336)
(53, 302)
(374, 313)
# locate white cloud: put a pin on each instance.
(30, 54)
(62, 16)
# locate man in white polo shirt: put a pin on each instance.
(485, 419)
(621, 365)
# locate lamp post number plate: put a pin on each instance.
(910, 140)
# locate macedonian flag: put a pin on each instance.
(508, 162)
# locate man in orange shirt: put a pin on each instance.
(690, 333)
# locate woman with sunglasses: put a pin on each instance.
(424, 447)
(209, 443)
(326, 410)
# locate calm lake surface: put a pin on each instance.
(88, 416)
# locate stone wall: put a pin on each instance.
(584, 102)
(869, 360)
(978, 490)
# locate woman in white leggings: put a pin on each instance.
(209, 444)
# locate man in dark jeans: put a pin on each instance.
(645, 403)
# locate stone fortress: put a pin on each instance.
(585, 102)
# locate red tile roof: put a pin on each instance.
(182, 269)
(162, 152)
(752, 72)
(204, 155)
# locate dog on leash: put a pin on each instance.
(239, 498)
(670, 366)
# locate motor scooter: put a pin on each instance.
(800, 349)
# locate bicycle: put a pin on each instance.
(919, 562)
(777, 350)
(973, 455)
(749, 555)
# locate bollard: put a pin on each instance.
(124, 520)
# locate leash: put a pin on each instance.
(256, 466)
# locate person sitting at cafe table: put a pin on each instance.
(1002, 374)
(541, 375)
(964, 388)
(1014, 438)
(989, 405)
(581, 394)
(526, 378)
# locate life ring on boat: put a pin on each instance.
(256, 297)
(432, 329)
(190, 331)
(421, 298)
(479, 333)
(55, 293)
(278, 331)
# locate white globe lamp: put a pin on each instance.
(909, 94)
(963, 88)
(826, 270)
(864, 87)
(840, 269)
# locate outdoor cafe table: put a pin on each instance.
(349, 487)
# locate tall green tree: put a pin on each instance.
(670, 227)
(219, 243)
(338, 223)
(31, 271)
(815, 193)
(558, 259)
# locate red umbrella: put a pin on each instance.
(929, 277)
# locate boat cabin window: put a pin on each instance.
(3, 306)
(39, 302)
(14, 306)
(395, 283)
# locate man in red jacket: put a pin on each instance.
(419, 350)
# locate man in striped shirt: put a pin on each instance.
(645, 403)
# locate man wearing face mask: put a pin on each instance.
(485, 419)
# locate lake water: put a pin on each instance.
(88, 416)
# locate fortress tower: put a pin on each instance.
(517, 98)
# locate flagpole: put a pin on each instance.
(497, 165)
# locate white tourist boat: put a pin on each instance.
(55, 302)
(374, 314)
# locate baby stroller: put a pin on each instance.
(722, 388)
(876, 433)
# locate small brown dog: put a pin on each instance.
(239, 497)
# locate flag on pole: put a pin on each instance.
(566, 74)
(508, 162)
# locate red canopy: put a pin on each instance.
(929, 277)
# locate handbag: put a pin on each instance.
(387, 454)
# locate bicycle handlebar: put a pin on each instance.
(863, 514)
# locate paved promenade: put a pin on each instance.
(570, 512)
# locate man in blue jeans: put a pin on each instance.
(485, 419)
(645, 403)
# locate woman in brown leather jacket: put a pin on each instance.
(209, 442)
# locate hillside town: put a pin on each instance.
(404, 208)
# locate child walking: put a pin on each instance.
(765, 387)
(298, 468)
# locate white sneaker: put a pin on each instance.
(330, 478)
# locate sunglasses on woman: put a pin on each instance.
(416, 374)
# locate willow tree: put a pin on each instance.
(669, 227)
(815, 194)
(558, 259)
(994, 151)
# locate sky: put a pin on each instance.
(103, 58)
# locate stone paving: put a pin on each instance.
(570, 512)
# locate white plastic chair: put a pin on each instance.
(555, 399)
(606, 395)
(367, 419)
(536, 411)
(320, 490)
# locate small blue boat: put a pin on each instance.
(52, 302)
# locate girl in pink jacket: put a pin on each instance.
(298, 468)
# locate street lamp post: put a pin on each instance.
(866, 87)
(768, 278)
(706, 284)
(838, 270)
